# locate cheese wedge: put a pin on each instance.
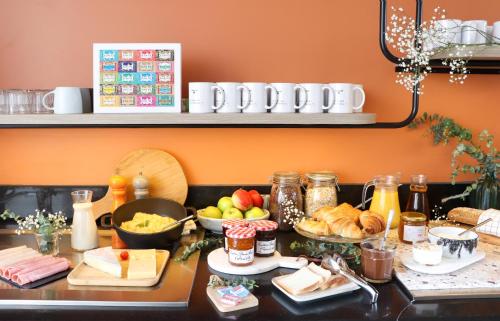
(103, 259)
(142, 264)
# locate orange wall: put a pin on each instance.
(48, 43)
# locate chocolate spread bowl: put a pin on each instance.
(454, 246)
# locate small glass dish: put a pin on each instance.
(427, 253)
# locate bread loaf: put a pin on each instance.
(465, 215)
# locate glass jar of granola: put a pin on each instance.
(285, 203)
(321, 191)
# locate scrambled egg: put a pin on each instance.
(147, 223)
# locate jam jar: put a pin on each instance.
(229, 224)
(240, 244)
(265, 237)
(413, 227)
(285, 203)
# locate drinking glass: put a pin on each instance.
(19, 102)
(36, 98)
(377, 261)
(4, 106)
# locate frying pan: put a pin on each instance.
(160, 206)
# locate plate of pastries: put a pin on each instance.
(342, 224)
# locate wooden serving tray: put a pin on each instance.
(249, 302)
(83, 274)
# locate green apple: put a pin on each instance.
(232, 212)
(212, 212)
(254, 212)
(224, 203)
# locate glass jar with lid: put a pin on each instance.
(321, 191)
(285, 203)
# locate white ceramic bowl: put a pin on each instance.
(215, 224)
(453, 247)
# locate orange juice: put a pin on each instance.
(385, 199)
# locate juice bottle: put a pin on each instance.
(385, 197)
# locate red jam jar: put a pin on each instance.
(240, 244)
(265, 237)
(229, 224)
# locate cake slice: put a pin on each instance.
(103, 259)
(142, 264)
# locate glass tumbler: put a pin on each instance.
(377, 260)
(19, 102)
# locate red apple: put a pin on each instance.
(257, 200)
(242, 200)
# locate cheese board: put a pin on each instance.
(217, 260)
(84, 274)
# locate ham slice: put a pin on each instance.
(13, 251)
(22, 255)
(42, 272)
(7, 271)
(46, 262)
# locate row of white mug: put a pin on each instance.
(456, 31)
(259, 97)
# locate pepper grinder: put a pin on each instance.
(118, 186)
(141, 184)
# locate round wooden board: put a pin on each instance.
(165, 175)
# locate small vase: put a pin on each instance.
(486, 196)
(48, 244)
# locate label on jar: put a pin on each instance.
(241, 257)
(414, 233)
(265, 247)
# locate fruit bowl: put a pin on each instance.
(215, 224)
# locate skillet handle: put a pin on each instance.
(105, 221)
(191, 211)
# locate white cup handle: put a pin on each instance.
(244, 88)
(43, 100)
(331, 97)
(223, 94)
(300, 87)
(362, 98)
(276, 93)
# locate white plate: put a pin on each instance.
(318, 294)
(447, 265)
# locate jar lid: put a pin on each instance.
(419, 179)
(323, 176)
(413, 217)
(264, 225)
(234, 223)
(241, 232)
(286, 177)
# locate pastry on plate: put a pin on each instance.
(371, 222)
(314, 227)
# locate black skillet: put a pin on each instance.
(160, 206)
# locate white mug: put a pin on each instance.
(285, 97)
(231, 103)
(359, 98)
(449, 30)
(315, 98)
(255, 99)
(202, 97)
(67, 100)
(495, 32)
(474, 32)
(343, 98)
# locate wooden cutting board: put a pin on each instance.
(83, 274)
(249, 302)
(165, 175)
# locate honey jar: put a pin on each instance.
(240, 244)
(413, 227)
(265, 237)
(229, 224)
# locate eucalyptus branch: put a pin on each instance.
(200, 245)
(217, 281)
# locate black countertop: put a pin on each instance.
(273, 305)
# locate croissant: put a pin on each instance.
(371, 222)
(345, 227)
(315, 227)
(329, 213)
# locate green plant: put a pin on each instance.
(200, 245)
(481, 150)
(41, 222)
(217, 281)
(314, 249)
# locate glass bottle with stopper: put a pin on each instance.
(141, 185)
(84, 229)
(118, 186)
(418, 200)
